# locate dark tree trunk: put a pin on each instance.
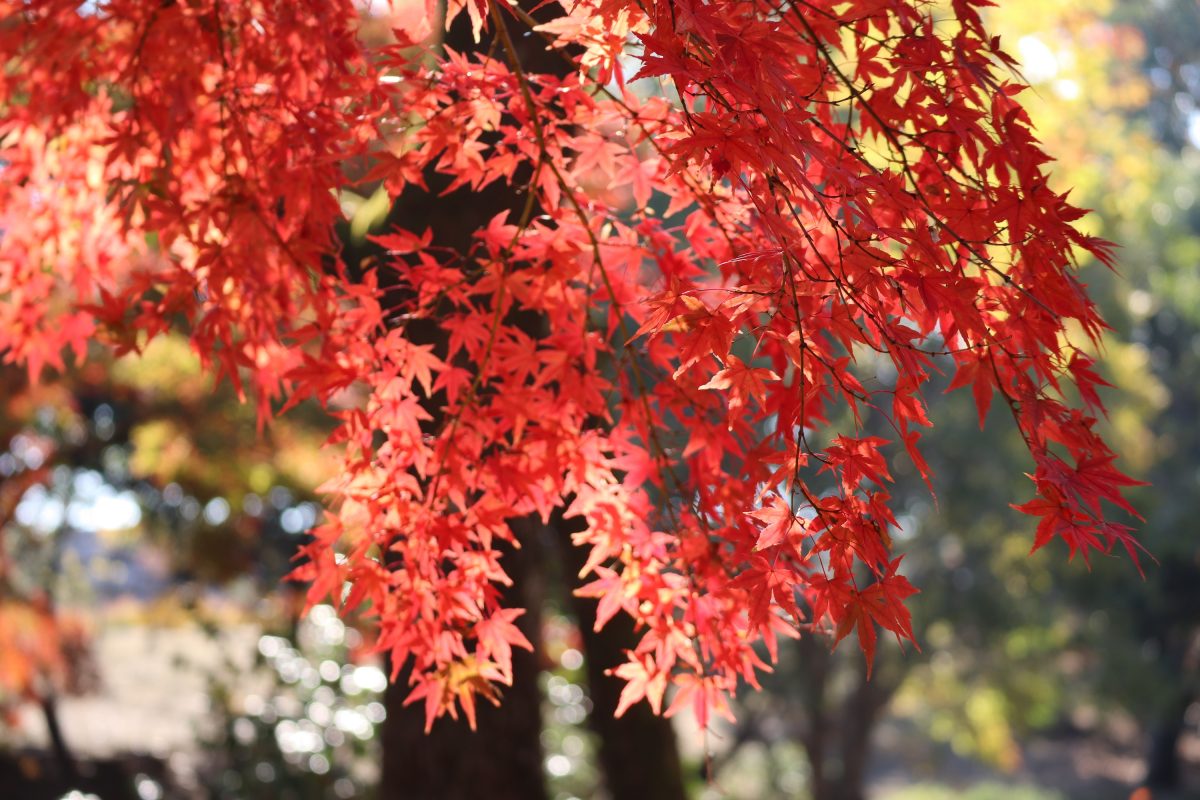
(68, 774)
(638, 753)
(502, 758)
(838, 730)
(1181, 650)
(1163, 768)
(858, 716)
(815, 661)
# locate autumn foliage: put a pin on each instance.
(746, 232)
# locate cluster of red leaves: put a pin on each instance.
(172, 163)
(716, 252)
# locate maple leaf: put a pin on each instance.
(742, 383)
(610, 589)
(705, 697)
(643, 680)
(459, 683)
(858, 459)
(880, 603)
(497, 635)
(778, 523)
(1086, 380)
(976, 371)
(1050, 513)
(769, 584)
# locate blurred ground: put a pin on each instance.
(152, 699)
(1076, 766)
(153, 695)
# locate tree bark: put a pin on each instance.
(838, 727)
(638, 752)
(68, 774)
(815, 661)
(1163, 768)
(502, 758)
(859, 715)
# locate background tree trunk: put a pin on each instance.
(63, 758)
(502, 758)
(838, 726)
(1163, 768)
(638, 752)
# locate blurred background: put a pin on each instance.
(150, 647)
